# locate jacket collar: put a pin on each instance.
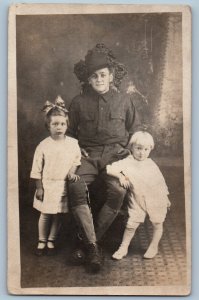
(106, 96)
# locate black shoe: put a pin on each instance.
(41, 252)
(94, 258)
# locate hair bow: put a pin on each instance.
(59, 103)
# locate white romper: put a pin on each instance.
(148, 193)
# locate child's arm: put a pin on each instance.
(71, 174)
(124, 181)
(36, 172)
(113, 171)
(39, 189)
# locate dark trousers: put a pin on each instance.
(109, 201)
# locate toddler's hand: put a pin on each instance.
(40, 194)
(124, 182)
(73, 177)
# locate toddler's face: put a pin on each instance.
(100, 80)
(57, 126)
(140, 152)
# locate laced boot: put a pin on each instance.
(94, 257)
(78, 254)
(84, 219)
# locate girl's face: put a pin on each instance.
(100, 80)
(57, 127)
(140, 152)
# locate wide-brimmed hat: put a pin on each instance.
(98, 58)
(95, 61)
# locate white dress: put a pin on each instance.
(52, 162)
(148, 190)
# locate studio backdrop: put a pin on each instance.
(149, 45)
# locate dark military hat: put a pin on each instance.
(98, 58)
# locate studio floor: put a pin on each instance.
(168, 268)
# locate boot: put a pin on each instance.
(106, 216)
(94, 258)
(84, 220)
(83, 216)
(78, 255)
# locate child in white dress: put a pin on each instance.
(147, 192)
(55, 161)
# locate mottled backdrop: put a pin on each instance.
(150, 45)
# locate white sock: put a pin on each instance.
(43, 226)
(127, 237)
(153, 247)
(55, 226)
(151, 251)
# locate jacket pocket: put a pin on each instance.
(87, 124)
(117, 123)
(117, 115)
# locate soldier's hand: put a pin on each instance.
(73, 177)
(84, 153)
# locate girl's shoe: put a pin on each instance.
(41, 250)
(51, 249)
(120, 253)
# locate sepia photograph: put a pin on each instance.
(99, 145)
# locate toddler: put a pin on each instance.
(55, 160)
(147, 192)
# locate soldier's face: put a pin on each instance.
(100, 80)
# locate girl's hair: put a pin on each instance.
(55, 111)
(142, 138)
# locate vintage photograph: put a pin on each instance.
(99, 145)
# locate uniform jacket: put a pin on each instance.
(96, 119)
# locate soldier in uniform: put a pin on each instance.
(103, 119)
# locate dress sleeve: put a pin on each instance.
(77, 160)
(38, 163)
